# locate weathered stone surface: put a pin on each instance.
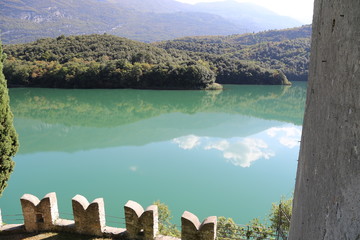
(189, 226)
(140, 223)
(208, 228)
(64, 225)
(8, 229)
(133, 212)
(89, 218)
(39, 215)
(111, 231)
(327, 192)
(149, 221)
(191, 229)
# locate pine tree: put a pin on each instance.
(8, 138)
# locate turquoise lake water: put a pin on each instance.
(227, 153)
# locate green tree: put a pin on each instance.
(8, 137)
(257, 230)
(228, 229)
(280, 215)
(165, 226)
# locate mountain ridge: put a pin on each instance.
(147, 21)
(257, 18)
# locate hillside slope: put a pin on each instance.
(287, 50)
(145, 20)
(252, 17)
(155, 6)
(106, 61)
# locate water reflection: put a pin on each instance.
(239, 152)
(112, 108)
(243, 152)
(287, 136)
(159, 145)
(73, 120)
(187, 142)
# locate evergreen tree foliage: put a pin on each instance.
(8, 137)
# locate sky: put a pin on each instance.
(301, 10)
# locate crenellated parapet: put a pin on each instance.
(89, 219)
(140, 223)
(39, 215)
(192, 229)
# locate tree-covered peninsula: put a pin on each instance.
(105, 61)
(285, 50)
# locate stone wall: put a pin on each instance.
(90, 219)
(327, 192)
(192, 229)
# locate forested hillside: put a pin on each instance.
(286, 50)
(105, 61)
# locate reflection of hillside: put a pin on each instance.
(74, 120)
(38, 136)
(281, 103)
(111, 108)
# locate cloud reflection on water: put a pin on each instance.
(187, 142)
(243, 152)
(287, 136)
(239, 152)
(133, 168)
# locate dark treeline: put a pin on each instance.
(105, 61)
(285, 50)
(78, 73)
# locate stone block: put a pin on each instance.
(192, 229)
(150, 222)
(39, 215)
(140, 223)
(89, 218)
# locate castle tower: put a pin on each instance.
(327, 192)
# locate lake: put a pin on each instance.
(227, 153)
